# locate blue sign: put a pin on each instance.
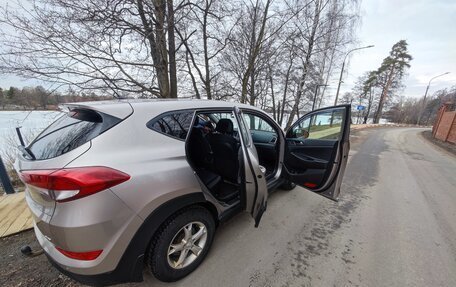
(360, 108)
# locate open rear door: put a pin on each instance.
(256, 191)
(316, 151)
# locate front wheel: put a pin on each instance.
(288, 185)
(181, 244)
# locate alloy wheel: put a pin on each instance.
(187, 245)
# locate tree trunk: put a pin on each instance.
(378, 114)
(252, 87)
(369, 105)
(285, 90)
(172, 51)
(207, 80)
(195, 86)
(157, 43)
(255, 48)
(316, 21)
(274, 114)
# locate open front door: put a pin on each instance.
(316, 151)
(256, 191)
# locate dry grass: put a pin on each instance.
(9, 155)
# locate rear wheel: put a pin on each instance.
(181, 244)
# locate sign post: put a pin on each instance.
(4, 179)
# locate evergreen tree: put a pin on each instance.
(12, 92)
(370, 83)
(393, 69)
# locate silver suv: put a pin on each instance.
(117, 185)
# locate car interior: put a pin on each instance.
(213, 150)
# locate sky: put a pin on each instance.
(427, 25)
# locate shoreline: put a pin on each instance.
(36, 110)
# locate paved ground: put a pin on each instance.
(394, 226)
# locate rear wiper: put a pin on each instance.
(26, 151)
(22, 148)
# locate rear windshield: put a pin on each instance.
(70, 131)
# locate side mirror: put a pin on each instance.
(298, 133)
(302, 134)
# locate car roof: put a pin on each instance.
(122, 107)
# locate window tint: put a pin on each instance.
(255, 123)
(69, 132)
(324, 125)
(174, 124)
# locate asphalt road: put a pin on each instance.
(395, 225)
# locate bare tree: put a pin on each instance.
(309, 36)
(118, 45)
(204, 28)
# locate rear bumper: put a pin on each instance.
(128, 270)
(130, 266)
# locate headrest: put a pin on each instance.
(224, 126)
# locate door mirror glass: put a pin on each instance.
(301, 133)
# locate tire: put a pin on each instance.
(288, 185)
(173, 237)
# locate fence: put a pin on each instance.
(445, 126)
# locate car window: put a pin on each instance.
(173, 124)
(324, 125)
(256, 123)
(70, 131)
(215, 117)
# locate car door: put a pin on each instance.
(256, 191)
(316, 150)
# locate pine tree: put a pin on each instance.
(393, 67)
(369, 84)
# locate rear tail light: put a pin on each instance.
(89, 255)
(73, 183)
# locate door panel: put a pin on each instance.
(267, 154)
(317, 148)
(256, 192)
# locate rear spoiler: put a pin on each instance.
(118, 108)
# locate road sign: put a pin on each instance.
(360, 108)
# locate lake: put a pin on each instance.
(32, 122)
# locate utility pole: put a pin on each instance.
(343, 67)
(423, 106)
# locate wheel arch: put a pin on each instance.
(130, 267)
